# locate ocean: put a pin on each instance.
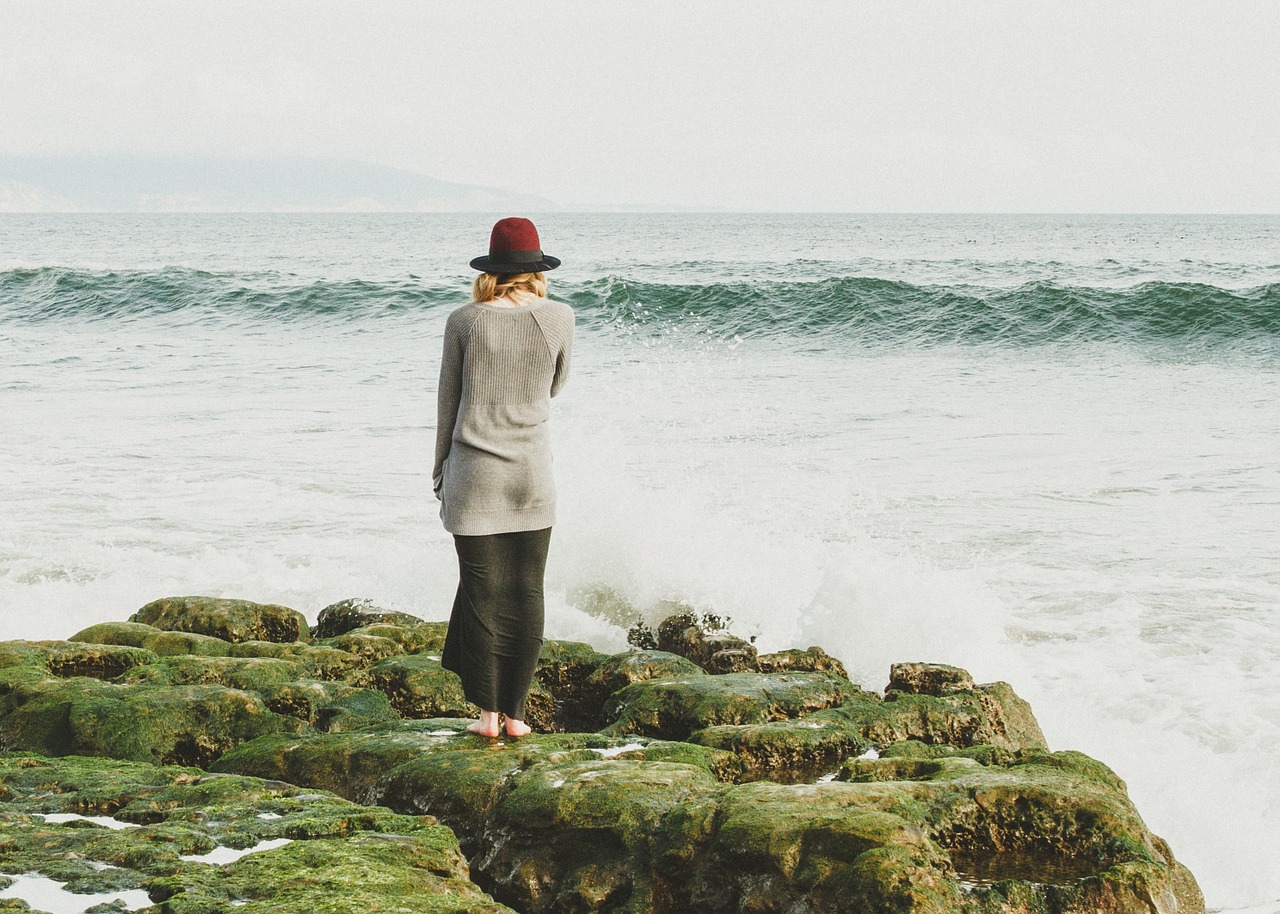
(1042, 448)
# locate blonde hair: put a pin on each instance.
(488, 286)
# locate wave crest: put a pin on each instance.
(852, 308)
(867, 308)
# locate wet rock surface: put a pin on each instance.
(195, 842)
(928, 678)
(356, 612)
(702, 778)
(713, 649)
(230, 620)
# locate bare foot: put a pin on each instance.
(487, 725)
(517, 727)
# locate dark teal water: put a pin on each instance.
(840, 309)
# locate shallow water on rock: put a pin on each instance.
(44, 894)
(60, 818)
(220, 855)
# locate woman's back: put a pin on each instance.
(500, 368)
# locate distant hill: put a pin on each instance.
(224, 184)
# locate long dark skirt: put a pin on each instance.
(495, 629)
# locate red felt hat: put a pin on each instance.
(514, 248)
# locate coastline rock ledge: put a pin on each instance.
(216, 755)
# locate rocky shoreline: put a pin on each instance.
(245, 762)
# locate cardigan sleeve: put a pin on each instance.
(448, 395)
(563, 357)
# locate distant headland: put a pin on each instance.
(135, 183)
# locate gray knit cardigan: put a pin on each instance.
(500, 368)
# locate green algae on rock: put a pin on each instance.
(180, 644)
(229, 620)
(190, 724)
(990, 713)
(68, 659)
(618, 670)
(787, 751)
(329, 706)
(349, 763)
(563, 670)
(369, 648)
(251, 674)
(674, 708)
(339, 856)
(696, 793)
(418, 686)
(600, 834)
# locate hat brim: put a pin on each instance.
(484, 265)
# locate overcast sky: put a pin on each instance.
(1160, 106)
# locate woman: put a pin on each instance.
(506, 353)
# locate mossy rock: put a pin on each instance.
(928, 678)
(866, 770)
(423, 873)
(27, 656)
(598, 835)
(329, 706)
(566, 748)
(813, 659)
(130, 634)
(460, 787)
(814, 847)
(787, 751)
(100, 661)
(67, 659)
(1058, 819)
(675, 708)
(219, 617)
(252, 674)
(964, 791)
(418, 686)
(564, 666)
(715, 650)
(563, 670)
(983, 753)
(426, 637)
(277, 649)
(321, 662)
(559, 822)
(347, 763)
(991, 714)
(317, 661)
(617, 671)
(341, 857)
(178, 644)
(368, 648)
(356, 612)
(350, 763)
(722, 765)
(190, 725)
(415, 638)
(1059, 823)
